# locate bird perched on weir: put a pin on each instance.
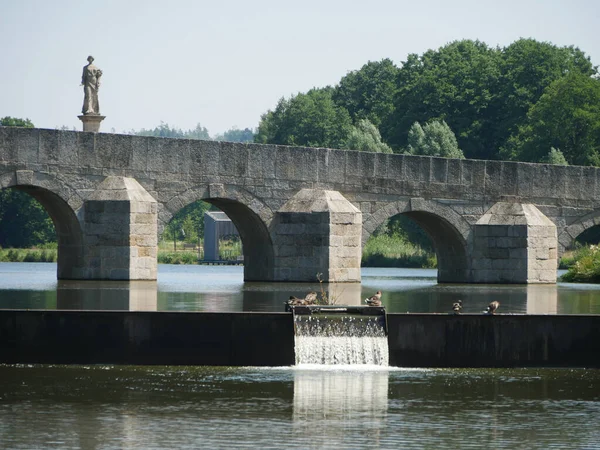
(457, 307)
(374, 300)
(295, 301)
(310, 298)
(492, 307)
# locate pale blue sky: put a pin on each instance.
(224, 63)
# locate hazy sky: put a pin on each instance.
(224, 63)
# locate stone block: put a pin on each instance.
(48, 147)
(572, 177)
(296, 164)
(454, 172)
(332, 166)
(261, 161)
(113, 150)
(439, 170)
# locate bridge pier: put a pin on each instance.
(317, 233)
(120, 232)
(514, 243)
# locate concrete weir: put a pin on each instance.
(267, 339)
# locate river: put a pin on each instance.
(222, 289)
(126, 407)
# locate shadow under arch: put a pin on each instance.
(68, 230)
(249, 215)
(447, 230)
(569, 234)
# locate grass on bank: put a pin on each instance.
(28, 254)
(384, 250)
(583, 265)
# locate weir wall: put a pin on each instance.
(267, 339)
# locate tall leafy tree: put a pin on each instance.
(528, 67)
(365, 137)
(455, 83)
(567, 116)
(434, 139)
(368, 93)
(311, 119)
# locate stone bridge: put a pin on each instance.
(299, 211)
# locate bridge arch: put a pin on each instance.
(448, 231)
(250, 216)
(568, 235)
(61, 202)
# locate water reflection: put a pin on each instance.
(107, 295)
(222, 289)
(99, 407)
(325, 400)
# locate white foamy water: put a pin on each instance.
(348, 350)
(342, 340)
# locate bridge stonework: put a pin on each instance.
(299, 211)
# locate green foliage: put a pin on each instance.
(368, 93)
(385, 250)
(15, 122)
(310, 119)
(434, 139)
(556, 157)
(365, 137)
(455, 83)
(567, 116)
(236, 135)
(164, 130)
(23, 221)
(407, 229)
(28, 255)
(190, 219)
(528, 67)
(586, 268)
(177, 257)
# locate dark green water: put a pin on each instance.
(199, 407)
(221, 288)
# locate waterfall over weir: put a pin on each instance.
(333, 336)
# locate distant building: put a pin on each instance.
(216, 226)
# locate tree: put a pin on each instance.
(164, 130)
(528, 67)
(190, 219)
(310, 119)
(567, 116)
(556, 157)
(236, 135)
(434, 139)
(455, 83)
(15, 122)
(23, 221)
(365, 137)
(368, 93)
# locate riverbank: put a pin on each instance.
(583, 265)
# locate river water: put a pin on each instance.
(124, 407)
(222, 289)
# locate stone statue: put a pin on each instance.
(90, 80)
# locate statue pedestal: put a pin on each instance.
(91, 122)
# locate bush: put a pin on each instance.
(586, 268)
